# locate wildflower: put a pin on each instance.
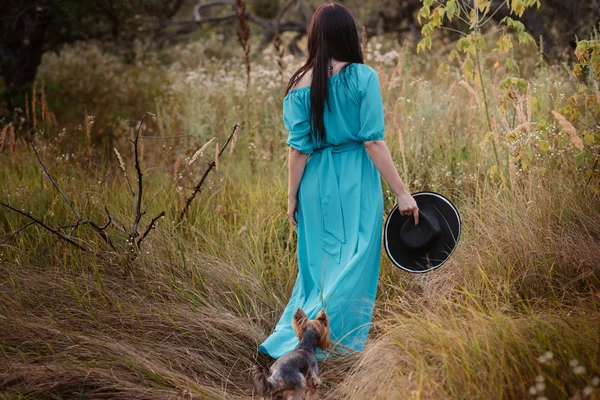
(532, 390)
(587, 390)
(578, 370)
(573, 363)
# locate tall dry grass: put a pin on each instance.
(513, 315)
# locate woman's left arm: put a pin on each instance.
(296, 165)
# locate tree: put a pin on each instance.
(28, 28)
(23, 29)
(559, 22)
(474, 14)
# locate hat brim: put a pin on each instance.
(420, 261)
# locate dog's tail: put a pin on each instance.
(261, 383)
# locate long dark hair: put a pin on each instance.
(332, 34)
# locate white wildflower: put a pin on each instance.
(578, 370)
(532, 390)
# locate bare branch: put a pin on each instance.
(120, 228)
(100, 230)
(109, 174)
(200, 5)
(6, 239)
(164, 137)
(151, 200)
(109, 218)
(282, 12)
(138, 207)
(205, 20)
(493, 14)
(95, 226)
(211, 165)
(47, 227)
(53, 181)
(150, 227)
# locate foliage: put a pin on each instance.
(516, 302)
(475, 16)
(267, 9)
(588, 56)
(583, 108)
(30, 28)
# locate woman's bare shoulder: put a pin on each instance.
(306, 80)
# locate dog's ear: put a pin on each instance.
(323, 330)
(299, 322)
(322, 317)
(300, 315)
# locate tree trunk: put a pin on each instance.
(22, 32)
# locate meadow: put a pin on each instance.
(514, 314)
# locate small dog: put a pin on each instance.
(296, 373)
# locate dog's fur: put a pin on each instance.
(296, 373)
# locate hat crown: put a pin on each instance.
(418, 237)
(422, 248)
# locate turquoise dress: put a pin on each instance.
(340, 212)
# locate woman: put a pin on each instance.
(334, 114)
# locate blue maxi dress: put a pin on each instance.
(340, 212)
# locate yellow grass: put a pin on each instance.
(512, 309)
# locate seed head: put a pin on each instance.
(200, 151)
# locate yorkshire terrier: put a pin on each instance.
(296, 373)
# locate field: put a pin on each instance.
(513, 315)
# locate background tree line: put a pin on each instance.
(28, 28)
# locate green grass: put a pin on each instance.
(184, 319)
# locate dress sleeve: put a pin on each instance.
(296, 122)
(371, 110)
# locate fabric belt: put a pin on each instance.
(331, 203)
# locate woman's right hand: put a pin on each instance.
(380, 154)
(408, 206)
(292, 209)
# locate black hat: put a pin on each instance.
(427, 246)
